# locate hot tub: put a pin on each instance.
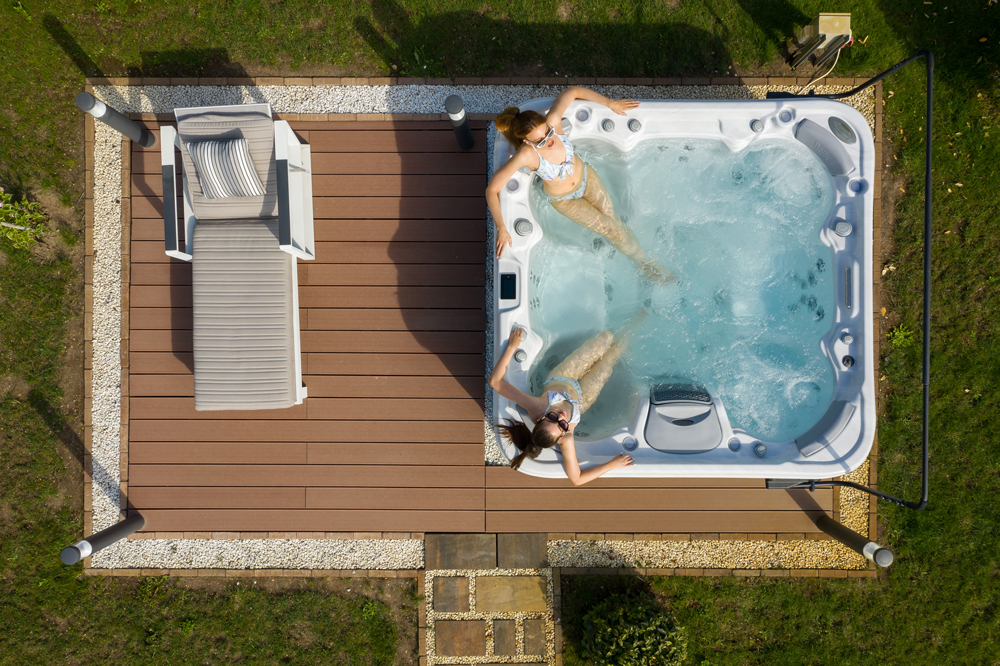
(685, 413)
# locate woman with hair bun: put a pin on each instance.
(571, 185)
(571, 388)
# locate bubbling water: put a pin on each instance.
(752, 297)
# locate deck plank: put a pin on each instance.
(333, 409)
(334, 319)
(422, 342)
(392, 297)
(302, 453)
(685, 522)
(589, 498)
(342, 476)
(313, 430)
(219, 497)
(312, 520)
(360, 231)
(371, 252)
(330, 386)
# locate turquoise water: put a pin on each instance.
(754, 290)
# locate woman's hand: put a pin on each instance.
(620, 106)
(622, 460)
(503, 239)
(516, 335)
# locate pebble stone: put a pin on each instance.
(106, 389)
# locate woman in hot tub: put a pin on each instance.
(570, 390)
(571, 185)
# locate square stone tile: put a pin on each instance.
(460, 638)
(451, 594)
(510, 594)
(522, 551)
(460, 551)
(534, 637)
(504, 637)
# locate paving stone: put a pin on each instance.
(460, 638)
(504, 637)
(534, 637)
(460, 551)
(451, 594)
(522, 551)
(510, 594)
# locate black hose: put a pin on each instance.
(916, 506)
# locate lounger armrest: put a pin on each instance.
(168, 165)
(295, 207)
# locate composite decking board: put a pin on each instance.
(312, 520)
(351, 275)
(391, 297)
(367, 252)
(241, 453)
(301, 453)
(367, 185)
(462, 365)
(371, 319)
(334, 319)
(329, 386)
(341, 476)
(383, 125)
(148, 164)
(396, 498)
(353, 140)
(354, 207)
(221, 497)
(644, 499)
(312, 430)
(361, 231)
(686, 522)
(411, 342)
(332, 409)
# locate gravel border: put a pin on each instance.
(107, 282)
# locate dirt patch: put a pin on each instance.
(49, 248)
(565, 11)
(12, 384)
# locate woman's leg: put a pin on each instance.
(595, 211)
(580, 361)
(599, 374)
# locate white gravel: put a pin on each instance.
(304, 553)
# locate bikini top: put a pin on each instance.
(548, 171)
(555, 397)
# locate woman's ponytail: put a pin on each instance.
(515, 124)
(530, 443)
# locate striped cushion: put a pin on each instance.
(225, 169)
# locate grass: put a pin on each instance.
(937, 604)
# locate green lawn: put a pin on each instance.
(937, 604)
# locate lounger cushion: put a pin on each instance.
(243, 327)
(252, 122)
(225, 169)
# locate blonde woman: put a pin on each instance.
(571, 185)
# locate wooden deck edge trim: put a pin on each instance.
(710, 536)
(126, 222)
(235, 536)
(88, 326)
(256, 573)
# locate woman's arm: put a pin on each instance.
(566, 97)
(499, 179)
(577, 476)
(533, 404)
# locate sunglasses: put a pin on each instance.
(541, 142)
(558, 421)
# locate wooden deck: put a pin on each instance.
(391, 436)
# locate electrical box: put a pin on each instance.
(829, 25)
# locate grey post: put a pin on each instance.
(856, 542)
(460, 121)
(103, 539)
(115, 120)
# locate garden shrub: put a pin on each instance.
(628, 630)
(20, 221)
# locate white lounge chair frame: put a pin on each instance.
(295, 210)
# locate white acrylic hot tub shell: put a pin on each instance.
(728, 121)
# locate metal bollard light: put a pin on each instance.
(103, 539)
(857, 542)
(460, 121)
(115, 120)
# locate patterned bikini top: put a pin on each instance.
(548, 171)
